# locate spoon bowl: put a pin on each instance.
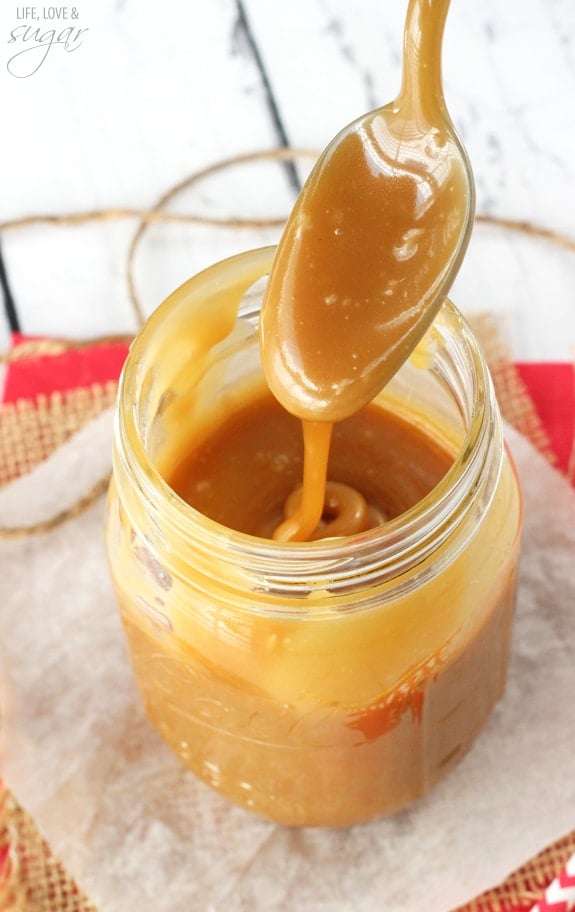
(373, 244)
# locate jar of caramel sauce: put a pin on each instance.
(318, 683)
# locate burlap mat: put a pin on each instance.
(31, 430)
(31, 878)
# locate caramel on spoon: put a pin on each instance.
(373, 244)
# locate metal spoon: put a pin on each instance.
(373, 244)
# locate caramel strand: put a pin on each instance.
(345, 512)
(302, 523)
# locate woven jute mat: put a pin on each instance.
(32, 429)
(31, 878)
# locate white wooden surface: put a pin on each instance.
(155, 90)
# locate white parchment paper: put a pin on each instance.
(141, 835)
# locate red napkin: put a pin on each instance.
(551, 386)
(72, 369)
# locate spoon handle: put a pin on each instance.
(422, 85)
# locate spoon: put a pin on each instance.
(373, 244)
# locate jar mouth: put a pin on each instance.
(378, 554)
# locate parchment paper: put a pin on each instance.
(141, 835)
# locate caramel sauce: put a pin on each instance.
(246, 473)
(370, 249)
(347, 297)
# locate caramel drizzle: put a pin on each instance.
(306, 275)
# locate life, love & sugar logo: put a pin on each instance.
(31, 44)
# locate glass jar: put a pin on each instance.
(319, 683)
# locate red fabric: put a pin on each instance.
(74, 369)
(551, 386)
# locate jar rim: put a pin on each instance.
(386, 549)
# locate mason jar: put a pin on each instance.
(320, 683)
